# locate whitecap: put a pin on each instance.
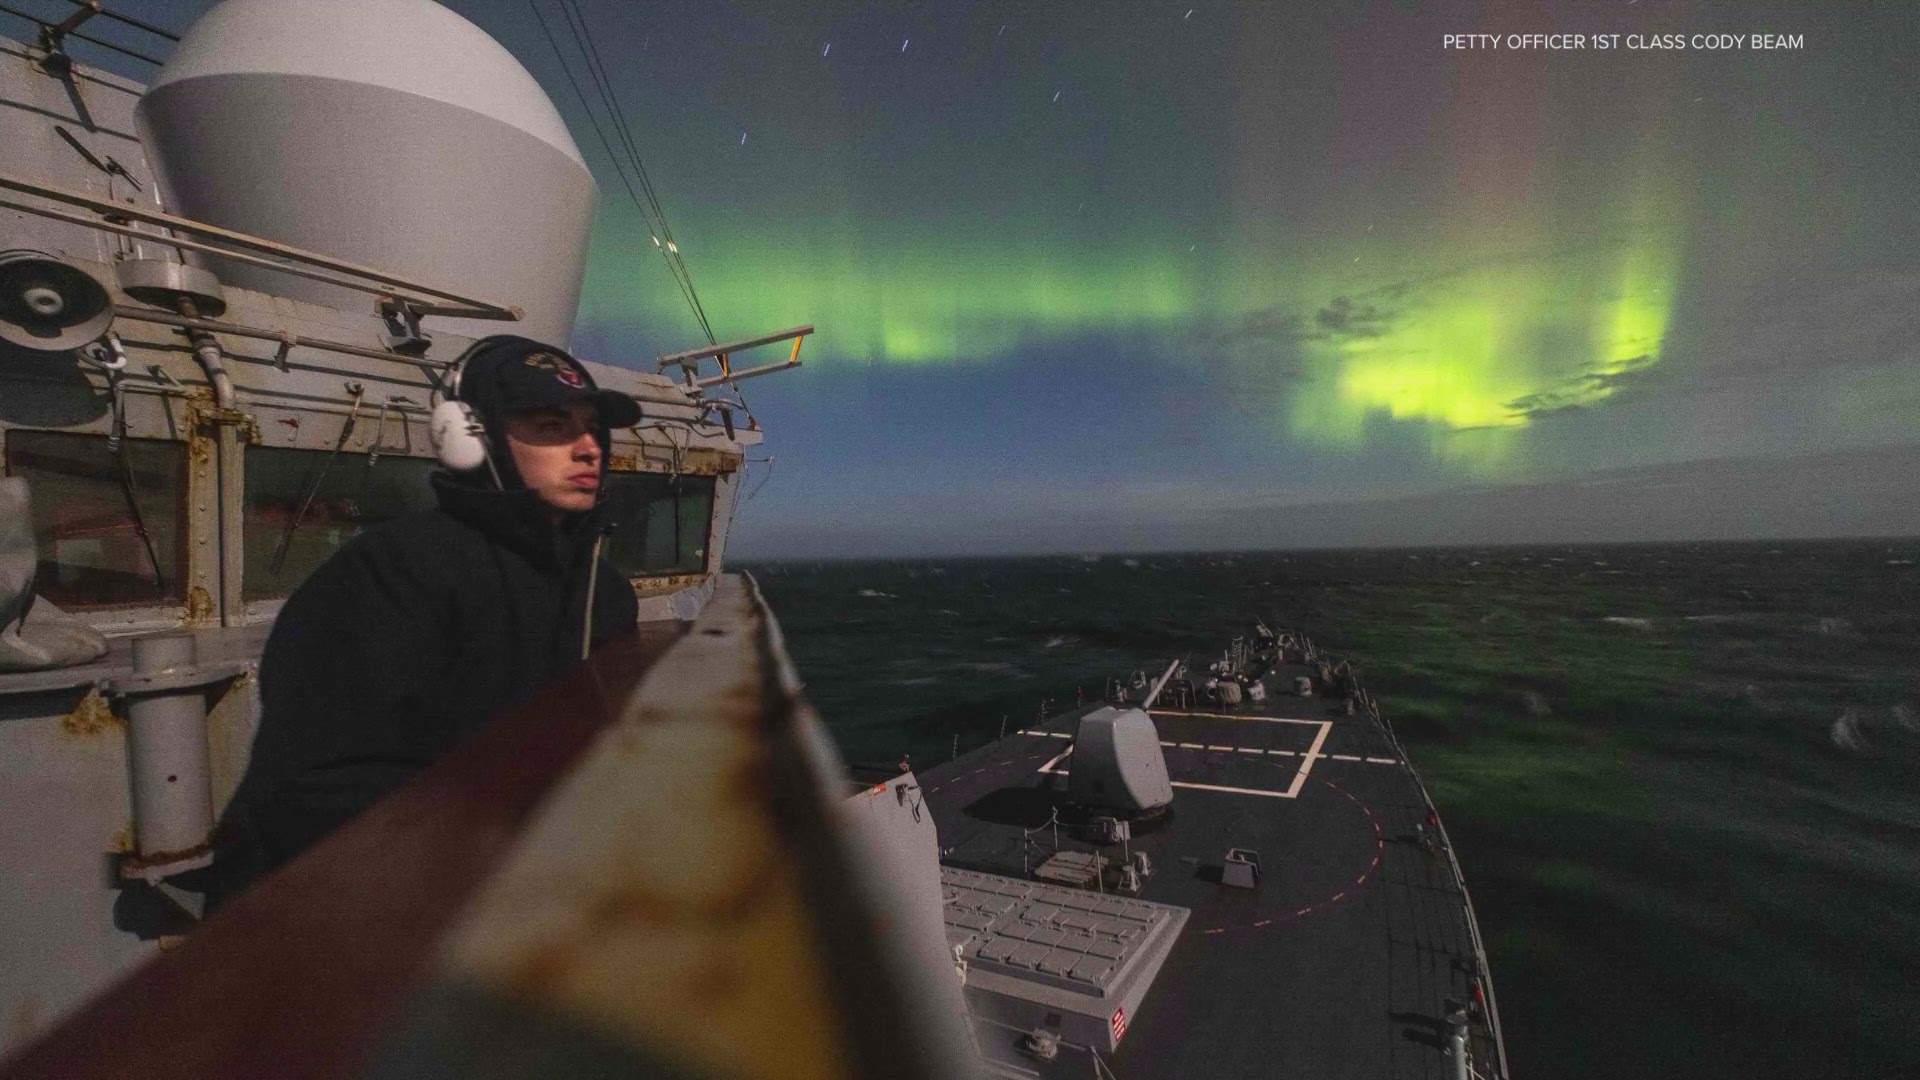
(877, 592)
(1846, 732)
(995, 668)
(1626, 620)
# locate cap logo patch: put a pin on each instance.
(561, 370)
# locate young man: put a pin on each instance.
(418, 631)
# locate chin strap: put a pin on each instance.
(593, 578)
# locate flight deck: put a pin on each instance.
(1324, 935)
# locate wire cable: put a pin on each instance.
(597, 67)
(621, 148)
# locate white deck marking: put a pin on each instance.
(1055, 760)
(1229, 716)
(1234, 790)
(1307, 759)
(1188, 784)
(1241, 749)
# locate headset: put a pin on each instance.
(459, 438)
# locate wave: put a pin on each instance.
(1846, 732)
(1892, 736)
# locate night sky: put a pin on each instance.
(1102, 276)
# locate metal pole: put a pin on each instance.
(167, 752)
(1457, 1041)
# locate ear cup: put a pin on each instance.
(458, 438)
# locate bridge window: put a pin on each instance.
(341, 493)
(91, 508)
(662, 522)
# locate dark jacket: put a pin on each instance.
(410, 637)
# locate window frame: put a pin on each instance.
(135, 614)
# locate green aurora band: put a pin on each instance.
(1472, 355)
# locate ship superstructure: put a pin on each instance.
(231, 298)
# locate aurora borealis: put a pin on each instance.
(1201, 274)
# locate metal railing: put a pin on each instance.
(257, 251)
(1483, 971)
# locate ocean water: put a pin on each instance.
(1682, 778)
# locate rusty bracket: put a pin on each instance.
(154, 869)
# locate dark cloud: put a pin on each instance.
(1344, 317)
(1271, 342)
(1590, 390)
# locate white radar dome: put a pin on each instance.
(391, 133)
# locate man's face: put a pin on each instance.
(557, 451)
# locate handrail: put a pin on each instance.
(388, 284)
(46, 24)
(167, 318)
(133, 22)
(255, 260)
(289, 341)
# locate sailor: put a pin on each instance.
(419, 630)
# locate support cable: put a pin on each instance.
(597, 67)
(621, 149)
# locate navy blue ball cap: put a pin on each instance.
(507, 373)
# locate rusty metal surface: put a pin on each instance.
(687, 460)
(298, 978)
(655, 896)
(693, 896)
(92, 716)
(665, 584)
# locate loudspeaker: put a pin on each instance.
(49, 305)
